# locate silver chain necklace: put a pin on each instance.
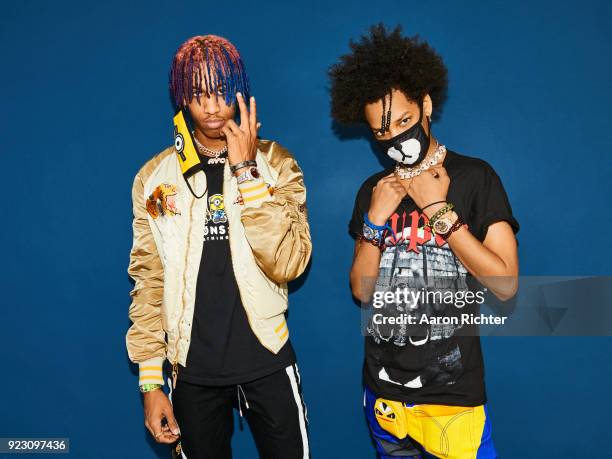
(215, 156)
(409, 172)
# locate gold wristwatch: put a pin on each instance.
(443, 225)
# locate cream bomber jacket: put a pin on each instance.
(269, 239)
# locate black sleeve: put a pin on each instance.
(491, 205)
(362, 204)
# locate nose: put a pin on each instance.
(393, 131)
(211, 105)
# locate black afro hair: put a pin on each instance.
(380, 61)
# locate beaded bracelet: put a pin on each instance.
(458, 224)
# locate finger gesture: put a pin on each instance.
(242, 140)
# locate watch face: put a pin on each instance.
(254, 172)
(442, 225)
(368, 232)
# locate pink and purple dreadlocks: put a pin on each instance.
(224, 69)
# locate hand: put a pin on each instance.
(426, 188)
(156, 407)
(386, 196)
(242, 140)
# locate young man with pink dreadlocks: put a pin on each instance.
(212, 254)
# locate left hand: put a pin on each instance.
(242, 140)
(426, 188)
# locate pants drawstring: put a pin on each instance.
(240, 391)
(241, 395)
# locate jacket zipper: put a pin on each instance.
(175, 362)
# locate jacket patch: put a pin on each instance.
(216, 208)
(162, 201)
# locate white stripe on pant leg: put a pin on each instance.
(298, 402)
(299, 380)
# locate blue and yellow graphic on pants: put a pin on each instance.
(440, 431)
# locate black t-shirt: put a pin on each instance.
(223, 348)
(443, 366)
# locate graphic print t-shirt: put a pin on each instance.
(223, 348)
(437, 367)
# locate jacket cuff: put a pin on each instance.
(254, 192)
(151, 371)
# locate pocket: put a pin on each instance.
(391, 417)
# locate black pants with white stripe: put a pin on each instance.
(273, 407)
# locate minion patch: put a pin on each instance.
(162, 201)
(216, 208)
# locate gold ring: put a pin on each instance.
(157, 435)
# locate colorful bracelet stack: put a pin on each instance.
(372, 233)
(444, 226)
(447, 208)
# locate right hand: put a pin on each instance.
(156, 407)
(386, 196)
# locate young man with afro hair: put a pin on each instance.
(435, 220)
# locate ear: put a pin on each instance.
(427, 106)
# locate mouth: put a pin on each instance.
(214, 123)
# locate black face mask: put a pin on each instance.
(408, 147)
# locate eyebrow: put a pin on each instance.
(220, 84)
(401, 117)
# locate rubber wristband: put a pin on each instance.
(144, 388)
(372, 225)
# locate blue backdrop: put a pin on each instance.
(84, 104)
